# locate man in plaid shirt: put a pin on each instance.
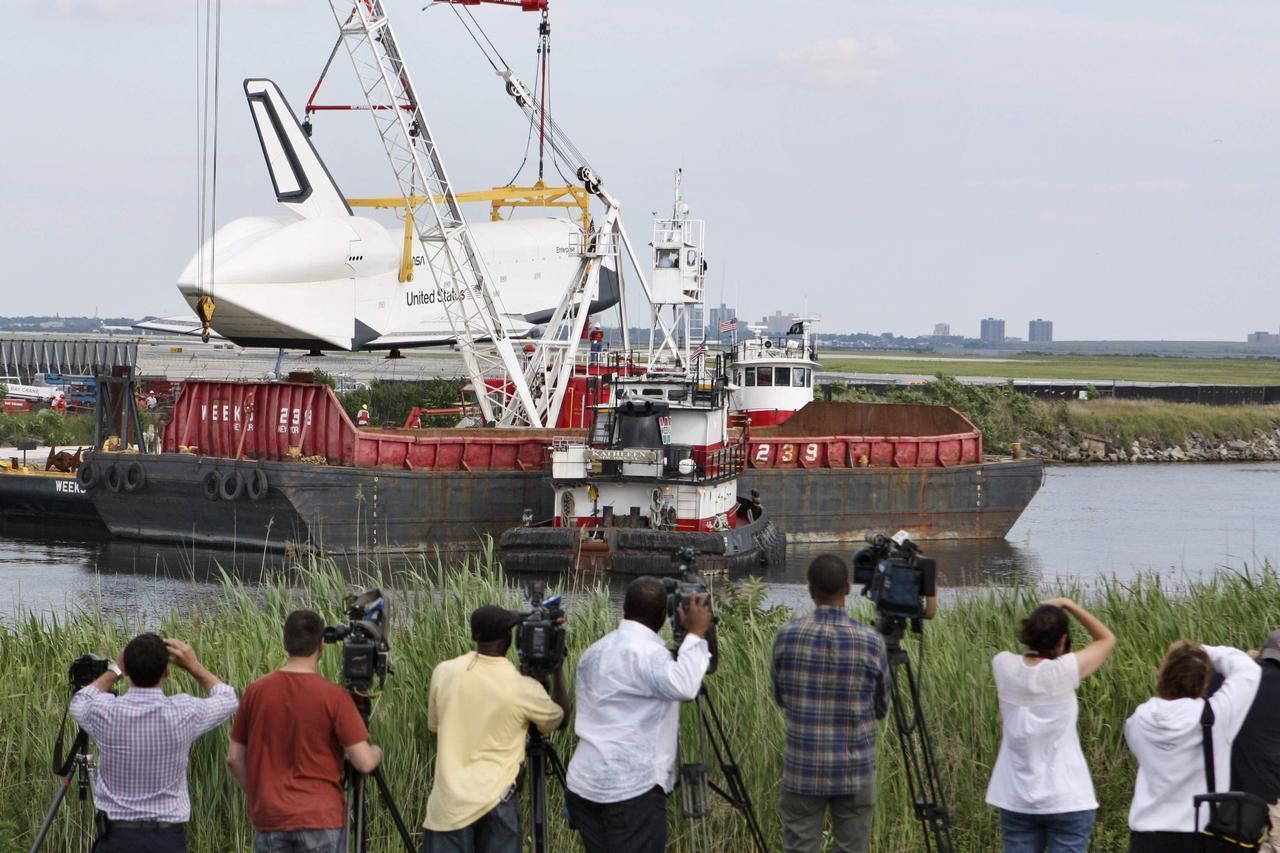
(143, 738)
(831, 678)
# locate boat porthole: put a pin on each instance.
(212, 485)
(257, 485)
(87, 476)
(115, 482)
(135, 477)
(232, 486)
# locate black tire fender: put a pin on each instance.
(135, 476)
(212, 482)
(232, 486)
(88, 475)
(113, 478)
(257, 484)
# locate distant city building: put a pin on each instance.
(779, 323)
(718, 316)
(992, 331)
(1264, 338)
(942, 330)
(1040, 331)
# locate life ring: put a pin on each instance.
(87, 476)
(115, 482)
(212, 485)
(135, 476)
(232, 486)
(257, 484)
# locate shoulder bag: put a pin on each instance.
(1238, 821)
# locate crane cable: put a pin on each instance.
(562, 148)
(208, 88)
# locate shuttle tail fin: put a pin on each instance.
(301, 181)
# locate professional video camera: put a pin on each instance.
(364, 641)
(899, 581)
(541, 641)
(680, 592)
(85, 670)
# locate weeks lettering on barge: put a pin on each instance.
(290, 421)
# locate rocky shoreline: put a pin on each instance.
(1261, 446)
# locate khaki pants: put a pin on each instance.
(1272, 844)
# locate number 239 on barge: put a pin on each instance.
(658, 472)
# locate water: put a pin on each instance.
(1183, 521)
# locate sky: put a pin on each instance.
(1112, 167)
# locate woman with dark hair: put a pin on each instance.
(1166, 737)
(1041, 782)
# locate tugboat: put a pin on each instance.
(657, 473)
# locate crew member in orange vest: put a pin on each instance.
(59, 403)
(362, 417)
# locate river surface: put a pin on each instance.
(1182, 521)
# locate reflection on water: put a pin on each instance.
(1181, 520)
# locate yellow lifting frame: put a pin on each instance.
(538, 195)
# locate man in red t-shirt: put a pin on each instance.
(287, 747)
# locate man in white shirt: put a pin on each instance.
(629, 691)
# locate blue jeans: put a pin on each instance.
(498, 831)
(1065, 832)
(301, 841)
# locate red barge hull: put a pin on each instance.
(278, 465)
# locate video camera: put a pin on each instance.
(541, 639)
(680, 591)
(85, 670)
(364, 641)
(895, 577)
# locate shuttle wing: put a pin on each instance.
(301, 181)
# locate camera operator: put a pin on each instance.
(629, 693)
(144, 738)
(288, 744)
(831, 679)
(481, 707)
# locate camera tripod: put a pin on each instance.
(78, 763)
(696, 783)
(923, 781)
(540, 754)
(355, 781)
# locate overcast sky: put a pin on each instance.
(1113, 167)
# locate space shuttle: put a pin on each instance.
(319, 277)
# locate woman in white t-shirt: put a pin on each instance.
(1041, 782)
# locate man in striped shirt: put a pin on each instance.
(830, 677)
(143, 738)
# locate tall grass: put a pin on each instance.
(237, 635)
(1124, 421)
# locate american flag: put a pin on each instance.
(729, 326)
(699, 352)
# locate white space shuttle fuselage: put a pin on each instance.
(320, 277)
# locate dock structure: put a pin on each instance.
(23, 359)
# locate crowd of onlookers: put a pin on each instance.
(1210, 726)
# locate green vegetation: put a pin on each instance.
(49, 427)
(1124, 421)
(391, 400)
(1005, 415)
(1097, 369)
(237, 635)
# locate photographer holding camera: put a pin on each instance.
(144, 738)
(481, 707)
(831, 679)
(629, 693)
(288, 744)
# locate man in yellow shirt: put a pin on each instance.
(481, 707)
